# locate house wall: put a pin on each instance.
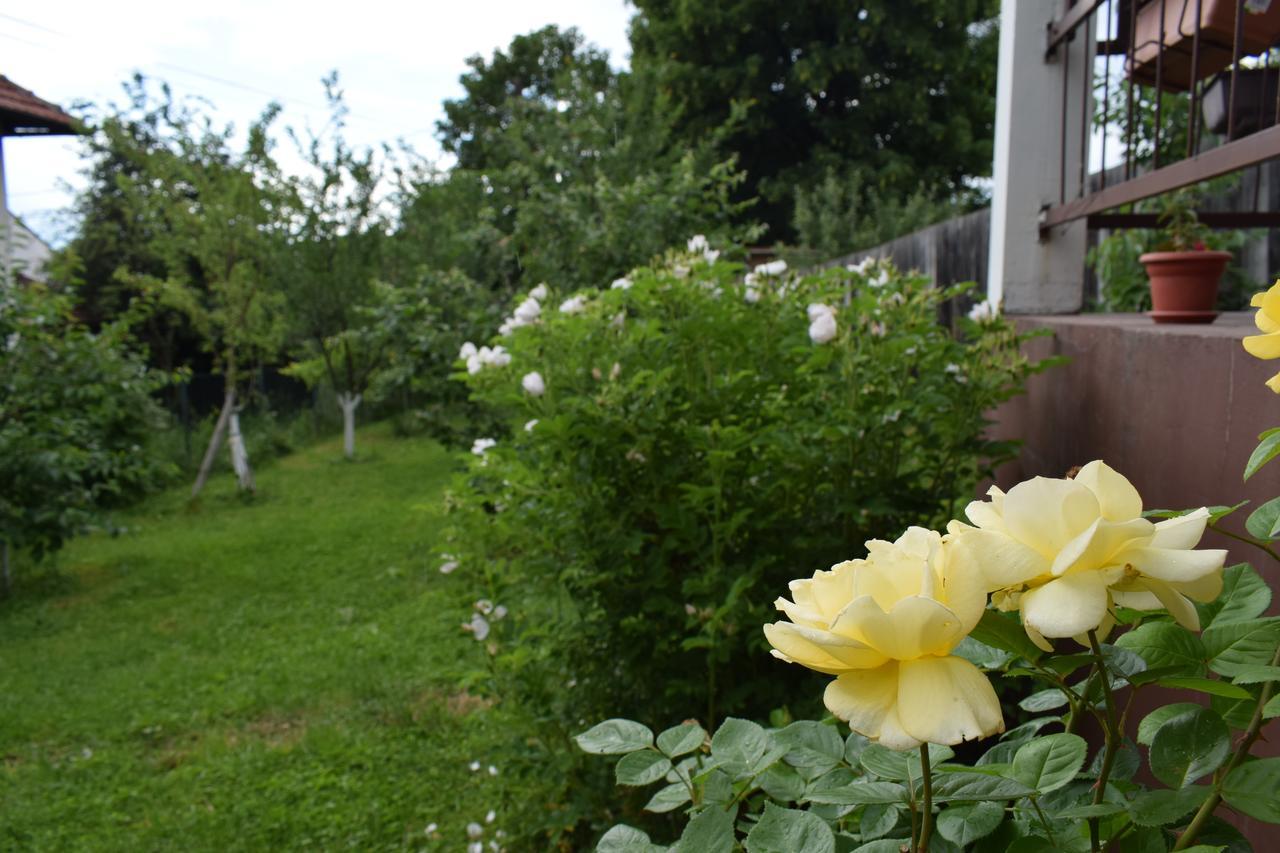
(1177, 410)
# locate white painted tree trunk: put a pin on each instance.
(215, 442)
(349, 404)
(239, 455)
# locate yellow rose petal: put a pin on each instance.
(1185, 531)
(1179, 607)
(1177, 565)
(1069, 605)
(1002, 560)
(914, 627)
(820, 650)
(946, 700)
(1097, 545)
(864, 698)
(1263, 346)
(1274, 383)
(1046, 514)
(1117, 498)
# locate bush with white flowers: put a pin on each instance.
(692, 446)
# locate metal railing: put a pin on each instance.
(1166, 46)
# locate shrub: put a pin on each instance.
(691, 445)
(76, 412)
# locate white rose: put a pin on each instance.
(823, 329)
(533, 384)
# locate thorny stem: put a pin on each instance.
(1112, 731)
(1242, 752)
(926, 783)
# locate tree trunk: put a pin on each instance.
(239, 455)
(349, 404)
(215, 442)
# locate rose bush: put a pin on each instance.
(1073, 558)
(689, 440)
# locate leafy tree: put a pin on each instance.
(218, 217)
(901, 91)
(76, 410)
(584, 187)
(331, 262)
(116, 238)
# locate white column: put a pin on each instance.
(1027, 274)
(6, 229)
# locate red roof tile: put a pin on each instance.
(22, 113)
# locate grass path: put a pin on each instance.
(264, 675)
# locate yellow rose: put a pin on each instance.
(885, 626)
(1063, 551)
(1266, 345)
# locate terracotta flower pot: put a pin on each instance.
(1184, 285)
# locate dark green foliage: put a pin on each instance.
(76, 414)
(901, 92)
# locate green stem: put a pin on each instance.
(926, 783)
(1044, 821)
(1246, 540)
(1242, 752)
(1112, 732)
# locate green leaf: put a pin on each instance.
(974, 787)
(883, 845)
(1043, 700)
(1028, 730)
(1087, 811)
(854, 744)
(1254, 788)
(681, 739)
(1004, 632)
(738, 744)
(782, 783)
(642, 767)
(891, 764)
(1206, 685)
(1245, 595)
(1231, 645)
(789, 830)
(1166, 644)
(1272, 708)
(1049, 762)
(1152, 722)
(1261, 521)
(811, 744)
(859, 793)
(710, 831)
(626, 839)
(1188, 747)
(615, 737)
(1256, 674)
(877, 819)
(966, 823)
(668, 798)
(1165, 806)
(1268, 448)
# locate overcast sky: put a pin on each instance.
(398, 62)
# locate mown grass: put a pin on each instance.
(277, 673)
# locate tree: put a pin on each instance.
(583, 187)
(901, 90)
(218, 222)
(76, 412)
(332, 261)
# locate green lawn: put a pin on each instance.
(253, 675)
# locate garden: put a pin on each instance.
(567, 497)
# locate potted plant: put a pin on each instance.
(1184, 272)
